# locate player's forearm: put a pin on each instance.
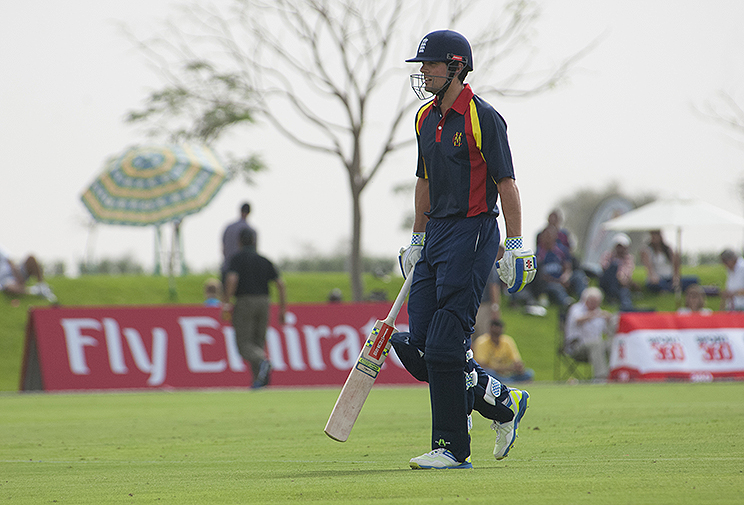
(421, 205)
(511, 206)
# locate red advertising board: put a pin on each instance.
(671, 346)
(186, 346)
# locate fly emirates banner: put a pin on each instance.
(193, 347)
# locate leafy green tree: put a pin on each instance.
(200, 105)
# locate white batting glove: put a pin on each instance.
(518, 266)
(409, 256)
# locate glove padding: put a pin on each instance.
(408, 257)
(517, 268)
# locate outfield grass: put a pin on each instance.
(581, 444)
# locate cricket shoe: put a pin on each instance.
(506, 433)
(440, 459)
(264, 375)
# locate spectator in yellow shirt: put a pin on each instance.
(498, 354)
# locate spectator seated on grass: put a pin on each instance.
(212, 293)
(695, 301)
(586, 326)
(13, 278)
(732, 296)
(662, 266)
(556, 276)
(498, 355)
(617, 273)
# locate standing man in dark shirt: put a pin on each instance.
(231, 237)
(247, 278)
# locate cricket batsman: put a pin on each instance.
(464, 165)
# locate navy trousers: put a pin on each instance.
(448, 283)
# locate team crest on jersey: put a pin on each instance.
(457, 139)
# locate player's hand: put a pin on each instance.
(409, 256)
(517, 268)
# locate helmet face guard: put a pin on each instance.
(419, 86)
(445, 46)
(418, 82)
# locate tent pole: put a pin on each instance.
(677, 277)
(158, 269)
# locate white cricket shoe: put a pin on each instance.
(506, 433)
(440, 459)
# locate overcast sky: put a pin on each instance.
(70, 76)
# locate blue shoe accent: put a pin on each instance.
(440, 459)
(524, 402)
(507, 432)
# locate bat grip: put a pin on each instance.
(390, 319)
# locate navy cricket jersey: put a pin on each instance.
(462, 155)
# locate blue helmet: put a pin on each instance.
(446, 46)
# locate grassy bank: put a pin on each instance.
(534, 335)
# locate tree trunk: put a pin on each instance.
(355, 264)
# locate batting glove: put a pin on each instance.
(517, 268)
(408, 256)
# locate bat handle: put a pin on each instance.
(390, 319)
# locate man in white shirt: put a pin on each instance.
(586, 325)
(732, 298)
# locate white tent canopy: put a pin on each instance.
(677, 212)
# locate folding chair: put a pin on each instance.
(565, 367)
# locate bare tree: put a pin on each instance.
(725, 111)
(336, 67)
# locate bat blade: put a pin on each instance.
(364, 372)
(359, 382)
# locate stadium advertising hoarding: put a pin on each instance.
(671, 346)
(185, 346)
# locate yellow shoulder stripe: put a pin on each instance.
(475, 123)
(421, 113)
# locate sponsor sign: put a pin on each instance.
(668, 346)
(187, 346)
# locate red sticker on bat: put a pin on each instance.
(378, 346)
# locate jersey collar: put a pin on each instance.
(462, 102)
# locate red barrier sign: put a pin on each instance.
(192, 347)
(667, 345)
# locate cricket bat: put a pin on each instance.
(364, 372)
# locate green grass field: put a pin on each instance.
(582, 444)
(668, 443)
